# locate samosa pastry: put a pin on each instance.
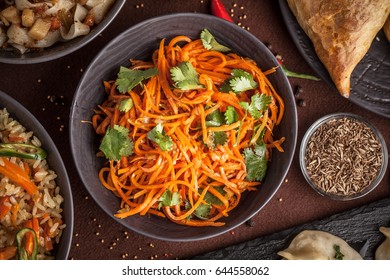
(341, 31)
(386, 28)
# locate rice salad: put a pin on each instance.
(30, 202)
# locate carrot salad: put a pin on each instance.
(187, 133)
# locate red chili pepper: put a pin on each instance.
(218, 10)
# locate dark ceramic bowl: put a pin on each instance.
(22, 115)
(139, 42)
(61, 49)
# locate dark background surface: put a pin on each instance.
(47, 89)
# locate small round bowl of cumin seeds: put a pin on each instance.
(343, 156)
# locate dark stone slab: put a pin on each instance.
(359, 227)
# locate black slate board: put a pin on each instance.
(359, 227)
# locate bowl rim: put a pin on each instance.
(198, 16)
(22, 113)
(82, 41)
(339, 115)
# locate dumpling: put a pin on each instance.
(383, 251)
(319, 245)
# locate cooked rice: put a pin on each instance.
(46, 206)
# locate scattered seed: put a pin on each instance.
(249, 223)
(343, 156)
(280, 199)
(298, 91)
(268, 45)
(301, 103)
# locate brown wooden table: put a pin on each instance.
(47, 89)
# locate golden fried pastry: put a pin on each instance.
(341, 31)
(386, 28)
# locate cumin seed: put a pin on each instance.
(343, 156)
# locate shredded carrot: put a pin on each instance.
(193, 170)
(5, 206)
(17, 175)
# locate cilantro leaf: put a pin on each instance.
(210, 43)
(129, 78)
(169, 199)
(215, 118)
(126, 105)
(241, 81)
(231, 115)
(202, 211)
(185, 76)
(338, 255)
(220, 138)
(216, 138)
(116, 143)
(158, 135)
(256, 162)
(259, 103)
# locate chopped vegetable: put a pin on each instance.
(129, 78)
(259, 104)
(8, 253)
(231, 115)
(216, 118)
(4, 207)
(185, 76)
(169, 199)
(126, 105)
(17, 175)
(217, 138)
(27, 247)
(294, 74)
(202, 211)
(338, 255)
(241, 81)
(218, 10)
(158, 135)
(116, 143)
(256, 162)
(210, 43)
(20, 151)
